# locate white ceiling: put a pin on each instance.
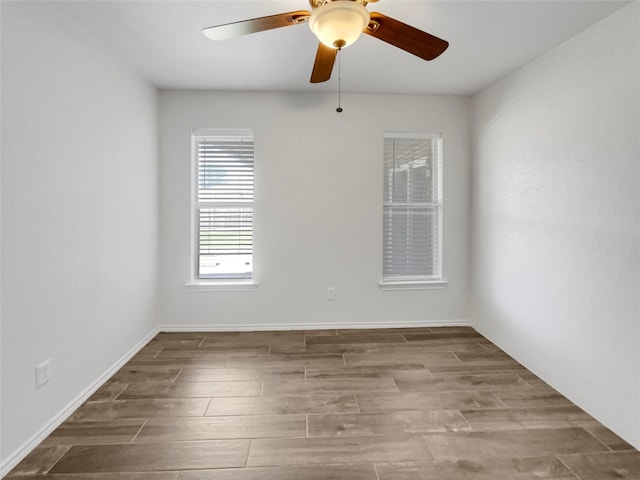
(163, 41)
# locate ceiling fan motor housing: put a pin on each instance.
(338, 24)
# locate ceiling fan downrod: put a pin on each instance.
(339, 109)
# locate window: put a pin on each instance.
(412, 212)
(223, 204)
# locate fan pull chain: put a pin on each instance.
(339, 109)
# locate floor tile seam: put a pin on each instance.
(171, 382)
(375, 469)
(427, 446)
(247, 437)
(246, 465)
(85, 422)
(609, 449)
(355, 399)
(497, 397)
(441, 392)
(97, 474)
(525, 381)
(518, 456)
(117, 397)
(55, 462)
(623, 449)
(444, 390)
(137, 434)
(332, 393)
(395, 383)
(545, 408)
(102, 444)
(542, 407)
(520, 427)
(466, 420)
(201, 397)
(362, 436)
(559, 457)
(208, 417)
(390, 411)
(455, 355)
(206, 409)
(376, 435)
(183, 441)
(323, 394)
(482, 373)
(248, 440)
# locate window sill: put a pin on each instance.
(222, 285)
(413, 285)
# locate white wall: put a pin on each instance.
(556, 218)
(318, 209)
(79, 217)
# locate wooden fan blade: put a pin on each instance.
(245, 27)
(325, 58)
(406, 37)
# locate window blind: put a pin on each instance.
(224, 206)
(412, 212)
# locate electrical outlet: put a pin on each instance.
(331, 293)
(42, 373)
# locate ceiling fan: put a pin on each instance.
(337, 24)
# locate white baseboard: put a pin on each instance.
(248, 327)
(16, 457)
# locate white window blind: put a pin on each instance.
(223, 206)
(412, 212)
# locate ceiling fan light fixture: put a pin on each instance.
(339, 23)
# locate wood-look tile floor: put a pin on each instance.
(396, 404)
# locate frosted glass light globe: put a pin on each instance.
(339, 23)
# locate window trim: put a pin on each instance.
(195, 283)
(209, 285)
(412, 284)
(418, 282)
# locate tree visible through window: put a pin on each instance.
(223, 204)
(412, 216)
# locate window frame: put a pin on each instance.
(231, 282)
(417, 282)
